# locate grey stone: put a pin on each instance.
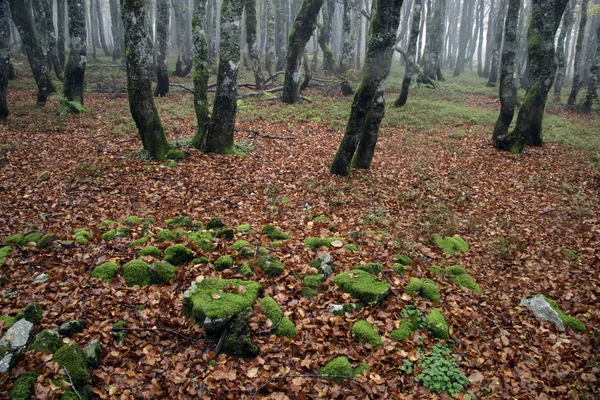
(93, 353)
(341, 309)
(5, 363)
(325, 268)
(41, 278)
(541, 308)
(18, 335)
(69, 328)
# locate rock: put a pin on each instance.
(41, 278)
(363, 286)
(18, 335)
(72, 358)
(270, 265)
(32, 312)
(69, 328)
(47, 339)
(323, 264)
(542, 309)
(93, 353)
(341, 309)
(6, 363)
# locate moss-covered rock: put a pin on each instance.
(283, 325)
(437, 324)
(106, 271)
(426, 288)
(399, 268)
(372, 268)
(23, 386)
(223, 262)
(270, 265)
(109, 235)
(93, 353)
(451, 244)
(245, 270)
(132, 220)
(15, 239)
(341, 309)
(152, 251)
(71, 327)
(363, 286)
(403, 331)
(402, 259)
(35, 237)
(236, 342)
(32, 312)
(162, 272)
(175, 154)
(73, 359)
(313, 281)
(7, 320)
(238, 244)
(178, 254)
(340, 368)
(459, 276)
(315, 242)
(47, 340)
(215, 223)
(365, 333)
(136, 272)
(273, 233)
(204, 240)
(165, 235)
(262, 251)
(140, 242)
(82, 235)
(308, 292)
(566, 319)
(246, 252)
(108, 224)
(226, 233)
(180, 221)
(351, 247)
(4, 252)
(243, 228)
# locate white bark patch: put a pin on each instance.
(297, 75)
(234, 66)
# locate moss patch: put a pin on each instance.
(165, 235)
(132, 220)
(222, 263)
(140, 242)
(362, 285)
(451, 244)
(32, 312)
(4, 252)
(284, 326)
(107, 271)
(23, 386)
(162, 272)
(399, 268)
(238, 244)
(372, 268)
(203, 240)
(175, 154)
(150, 251)
(47, 340)
(566, 319)
(180, 221)
(459, 276)
(7, 320)
(82, 235)
(315, 242)
(273, 233)
(136, 272)
(365, 333)
(178, 254)
(245, 270)
(313, 281)
(215, 223)
(270, 265)
(71, 327)
(73, 359)
(340, 368)
(402, 259)
(226, 233)
(109, 235)
(437, 324)
(425, 287)
(243, 228)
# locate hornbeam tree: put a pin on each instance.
(76, 63)
(368, 104)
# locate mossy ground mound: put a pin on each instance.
(315, 242)
(437, 324)
(459, 276)
(273, 233)
(362, 285)
(73, 359)
(372, 268)
(283, 325)
(23, 386)
(32, 312)
(178, 254)
(150, 251)
(365, 333)
(451, 244)
(339, 369)
(106, 271)
(136, 272)
(162, 272)
(425, 287)
(82, 235)
(270, 265)
(223, 262)
(47, 340)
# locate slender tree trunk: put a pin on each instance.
(368, 105)
(184, 63)
(488, 41)
(463, 39)
(48, 24)
(434, 41)
(75, 67)
(346, 54)
(280, 32)
(115, 27)
(357, 32)
(304, 25)
(163, 14)
(100, 16)
(4, 56)
(508, 89)
(94, 27)
(219, 138)
(409, 72)
(259, 77)
(497, 45)
(560, 51)
(21, 15)
(325, 36)
(578, 53)
(139, 86)
(480, 39)
(592, 89)
(60, 39)
(201, 73)
(270, 47)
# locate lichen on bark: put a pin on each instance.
(76, 63)
(201, 73)
(4, 56)
(163, 13)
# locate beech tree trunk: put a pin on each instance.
(75, 67)
(219, 137)
(464, 35)
(325, 36)
(21, 16)
(163, 14)
(184, 63)
(409, 71)
(489, 37)
(368, 105)
(4, 56)
(480, 60)
(100, 16)
(304, 25)
(201, 73)
(495, 61)
(434, 41)
(578, 54)
(592, 89)
(139, 85)
(508, 89)
(116, 27)
(270, 45)
(346, 54)
(60, 26)
(280, 32)
(259, 78)
(561, 51)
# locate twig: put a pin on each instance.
(72, 387)
(546, 212)
(158, 178)
(221, 340)
(274, 76)
(159, 330)
(181, 86)
(271, 329)
(255, 134)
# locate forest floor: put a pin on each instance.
(434, 172)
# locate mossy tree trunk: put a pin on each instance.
(75, 67)
(592, 89)
(561, 61)
(578, 55)
(280, 20)
(545, 18)
(60, 26)
(163, 14)
(93, 27)
(270, 45)
(435, 41)
(184, 63)
(325, 36)
(4, 56)
(304, 25)
(116, 29)
(489, 37)
(46, 29)
(411, 53)
(368, 104)
(139, 88)
(99, 15)
(508, 89)
(219, 137)
(346, 54)
(495, 61)
(357, 32)
(21, 16)
(463, 36)
(201, 73)
(259, 77)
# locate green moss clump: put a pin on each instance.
(23, 386)
(399, 268)
(140, 242)
(34, 236)
(437, 324)
(321, 218)
(273, 233)
(570, 254)
(108, 224)
(227, 233)
(150, 251)
(71, 327)
(178, 254)
(202, 240)
(403, 331)
(82, 235)
(200, 260)
(402, 259)
(132, 220)
(566, 319)
(308, 292)
(109, 235)
(365, 333)
(362, 367)
(236, 342)
(270, 265)
(263, 251)
(5, 252)
(15, 239)
(459, 276)
(107, 271)
(352, 247)
(238, 244)
(73, 359)
(243, 228)
(451, 244)
(136, 272)
(426, 288)
(245, 270)
(315, 242)
(336, 369)
(180, 221)
(165, 235)
(313, 281)
(175, 154)
(372, 268)
(246, 252)
(47, 340)
(215, 223)
(32, 312)
(362, 285)
(285, 327)
(7, 320)
(222, 263)
(93, 353)
(162, 272)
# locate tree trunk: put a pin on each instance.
(270, 46)
(497, 45)
(357, 33)
(116, 29)
(219, 138)
(42, 17)
(60, 38)
(259, 77)
(201, 73)
(304, 25)
(464, 35)
(560, 51)
(545, 18)
(325, 36)
(280, 32)
(480, 39)
(368, 105)
(577, 62)
(75, 67)
(163, 14)
(346, 54)
(592, 89)
(139, 86)
(94, 27)
(21, 15)
(488, 41)
(409, 72)
(508, 89)
(100, 16)
(184, 63)
(4, 56)
(434, 41)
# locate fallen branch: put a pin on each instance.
(274, 76)
(158, 178)
(73, 385)
(183, 87)
(271, 329)
(171, 331)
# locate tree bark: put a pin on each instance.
(280, 32)
(139, 85)
(184, 63)
(100, 16)
(270, 45)
(201, 73)
(592, 89)
(76, 63)
(480, 39)
(21, 15)
(94, 27)
(346, 54)
(409, 72)
(259, 78)
(357, 33)
(508, 89)
(325, 36)
(368, 105)
(116, 29)
(4, 56)
(434, 41)
(304, 25)
(495, 61)
(464, 35)
(488, 41)
(560, 51)
(219, 137)
(578, 53)
(163, 14)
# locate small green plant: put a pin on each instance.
(65, 105)
(440, 372)
(406, 367)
